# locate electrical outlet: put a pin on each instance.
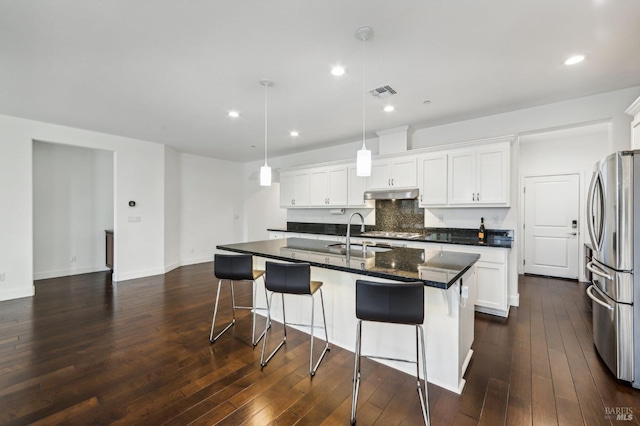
(73, 258)
(495, 219)
(1, 276)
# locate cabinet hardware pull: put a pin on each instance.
(478, 196)
(473, 196)
(388, 182)
(420, 197)
(391, 182)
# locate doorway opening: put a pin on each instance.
(73, 205)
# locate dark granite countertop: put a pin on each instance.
(435, 268)
(501, 238)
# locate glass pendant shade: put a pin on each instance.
(265, 175)
(363, 162)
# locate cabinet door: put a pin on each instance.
(404, 173)
(635, 132)
(492, 184)
(337, 186)
(318, 187)
(380, 175)
(432, 180)
(492, 285)
(462, 174)
(301, 189)
(287, 189)
(357, 186)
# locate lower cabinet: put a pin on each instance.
(491, 278)
(492, 287)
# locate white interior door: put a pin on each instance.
(551, 225)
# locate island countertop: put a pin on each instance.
(434, 268)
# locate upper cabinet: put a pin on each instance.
(328, 186)
(393, 173)
(294, 189)
(357, 187)
(479, 176)
(432, 180)
(634, 111)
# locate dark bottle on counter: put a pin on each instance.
(481, 232)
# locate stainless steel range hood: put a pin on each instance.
(392, 194)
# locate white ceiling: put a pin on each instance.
(169, 71)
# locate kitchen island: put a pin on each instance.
(450, 290)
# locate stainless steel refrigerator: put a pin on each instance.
(613, 207)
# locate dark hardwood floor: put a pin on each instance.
(84, 351)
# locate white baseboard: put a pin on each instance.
(67, 272)
(171, 266)
(137, 274)
(194, 261)
(17, 294)
(514, 300)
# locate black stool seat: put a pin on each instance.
(293, 278)
(235, 268)
(398, 303)
(395, 303)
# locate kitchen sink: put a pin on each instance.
(359, 247)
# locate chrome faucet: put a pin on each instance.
(348, 240)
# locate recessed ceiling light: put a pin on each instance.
(389, 108)
(294, 133)
(234, 114)
(337, 70)
(576, 59)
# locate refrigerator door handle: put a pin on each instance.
(595, 299)
(598, 271)
(595, 234)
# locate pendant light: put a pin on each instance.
(265, 171)
(363, 160)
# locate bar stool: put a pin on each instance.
(236, 268)
(293, 278)
(397, 303)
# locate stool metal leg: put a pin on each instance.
(264, 362)
(424, 397)
(255, 341)
(312, 369)
(215, 313)
(356, 372)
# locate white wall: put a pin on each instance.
(172, 177)
(16, 227)
(138, 176)
(72, 205)
(575, 151)
(608, 106)
(211, 201)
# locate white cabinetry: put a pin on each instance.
(479, 176)
(393, 173)
(294, 189)
(357, 186)
(432, 180)
(491, 278)
(328, 186)
(634, 111)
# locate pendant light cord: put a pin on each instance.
(266, 87)
(364, 40)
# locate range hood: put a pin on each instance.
(392, 194)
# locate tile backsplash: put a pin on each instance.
(399, 215)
